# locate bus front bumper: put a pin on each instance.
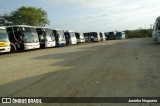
(50, 44)
(5, 49)
(32, 46)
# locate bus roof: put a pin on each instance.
(2, 27)
(120, 32)
(69, 31)
(58, 29)
(19, 26)
(93, 32)
(44, 27)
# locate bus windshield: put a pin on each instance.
(28, 37)
(119, 34)
(3, 35)
(77, 35)
(72, 34)
(49, 35)
(110, 33)
(94, 34)
(35, 35)
(60, 32)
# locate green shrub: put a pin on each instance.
(140, 33)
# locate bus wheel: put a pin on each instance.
(13, 49)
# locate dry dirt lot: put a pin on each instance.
(118, 68)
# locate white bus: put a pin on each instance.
(4, 41)
(46, 37)
(156, 30)
(70, 38)
(23, 37)
(80, 37)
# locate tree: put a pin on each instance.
(28, 16)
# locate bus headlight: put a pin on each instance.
(7, 43)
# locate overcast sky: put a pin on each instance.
(93, 15)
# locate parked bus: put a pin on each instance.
(59, 37)
(120, 35)
(23, 37)
(111, 35)
(156, 30)
(70, 38)
(102, 36)
(80, 37)
(95, 36)
(46, 37)
(4, 41)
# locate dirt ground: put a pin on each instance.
(115, 68)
